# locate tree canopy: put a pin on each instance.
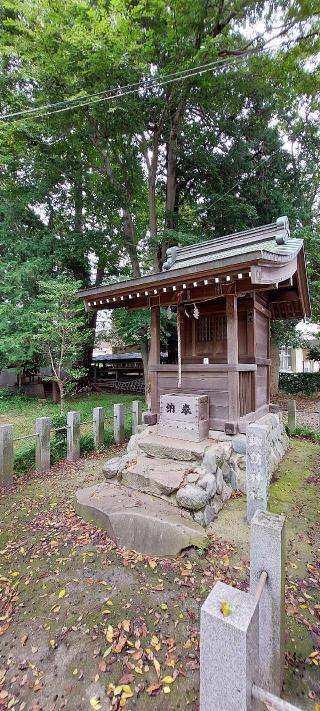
(99, 187)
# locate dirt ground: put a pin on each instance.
(86, 625)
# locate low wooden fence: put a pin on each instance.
(43, 431)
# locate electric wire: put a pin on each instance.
(136, 87)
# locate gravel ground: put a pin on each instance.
(308, 409)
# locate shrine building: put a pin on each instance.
(225, 292)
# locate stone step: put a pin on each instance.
(139, 521)
(153, 475)
(155, 445)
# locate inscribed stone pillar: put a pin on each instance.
(229, 650)
(267, 553)
(258, 469)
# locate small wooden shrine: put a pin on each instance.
(225, 292)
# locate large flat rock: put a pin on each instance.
(156, 476)
(155, 445)
(139, 521)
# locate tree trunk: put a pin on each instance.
(61, 392)
(274, 370)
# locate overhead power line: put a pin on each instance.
(110, 94)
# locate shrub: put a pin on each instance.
(305, 432)
(25, 459)
(307, 383)
(58, 446)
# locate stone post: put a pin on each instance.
(98, 427)
(229, 650)
(258, 469)
(6, 455)
(292, 415)
(73, 436)
(267, 553)
(118, 423)
(43, 426)
(136, 415)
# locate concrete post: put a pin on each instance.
(118, 423)
(98, 427)
(73, 436)
(6, 455)
(229, 650)
(136, 415)
(292, 415)
(258, 469)
(267, 553)
(43, 426)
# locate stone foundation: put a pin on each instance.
(196, 476)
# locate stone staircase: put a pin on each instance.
(160, 495)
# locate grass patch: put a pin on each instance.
(21, 411)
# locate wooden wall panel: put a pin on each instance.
(215, 385)
(262, 394)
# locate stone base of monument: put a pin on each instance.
(162, 476)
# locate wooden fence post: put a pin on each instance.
(73, 436)
(98, 427)
(43, 426)
(118, 423)
(6, 455)
(136, 415)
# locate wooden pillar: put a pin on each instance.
(251, 341)
(232, 353)
(154, 359)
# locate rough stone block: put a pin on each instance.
(267, 553)
(150, 418)
(191, 497)
(239, 444)
(112, 467)
(139, 521)
(6, 455)
(229, 652)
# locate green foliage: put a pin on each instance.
(81, 186)
(305, 432)
(292, 383)
(133, 327)
(285, 333)
(58, 445)
(25, 460)
(314, 353)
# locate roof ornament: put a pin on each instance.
(171, 258)
(283, 234)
